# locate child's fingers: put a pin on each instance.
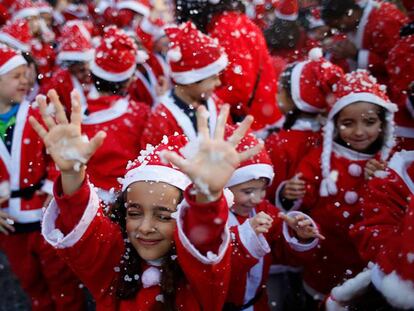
(41, 100)
(60, 112)
(202, 122)
(96, 141)
(221, 122)
(175, 159)
(318, 235)
(75, 116)
(289, 220)
(247, 154)
(241, 130)
(39, 129)
(261, 229)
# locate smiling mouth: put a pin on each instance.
(148, 242)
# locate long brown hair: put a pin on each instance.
(130, 268)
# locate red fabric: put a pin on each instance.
(98, 252)
(247, 51)
(48, 281)
(409, 5)
(286, 149)
(337, 258)
(45, 57)
(122, 142)
(4, 14)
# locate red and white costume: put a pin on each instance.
(383, 236)
(377, 33)
(92, 240)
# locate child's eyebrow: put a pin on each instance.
(164, 209)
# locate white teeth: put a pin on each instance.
(137, 236)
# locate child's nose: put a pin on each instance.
(146, 226)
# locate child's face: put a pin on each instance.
(202, 90)
(81, 71)
(359, 125)
(284, 101)
(149, 224)
(14, 85)
(248, 194)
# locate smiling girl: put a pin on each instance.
(151, 259)
(358, 138)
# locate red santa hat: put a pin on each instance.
(10, 59)
(193, 56)
(400, 64)
(287, 9)
(139, 6)
(354, 87)
(259, 166)
(23, 9)
(150, 31)
(75, 43)
(311, 82)
(150, 165)
(17, 34)
(115, 57)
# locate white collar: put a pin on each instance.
(307, 124)
(349, 153)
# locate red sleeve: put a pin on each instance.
(156, 127)
(205, 222)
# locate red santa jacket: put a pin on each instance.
(45, 57)
(123, 121)
(287, 148)
(93, 246)
(25, 166)
(337, 257)
(248, 55)
(142, 88)
(409, 5)
(377, 33)
(168, 118)
(253, 254)
(63, 82)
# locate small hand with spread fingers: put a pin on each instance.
(303, 227)
(63, 139)
(261, 223)
(215, 159)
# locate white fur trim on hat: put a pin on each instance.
(13, 42)
(286, 17)
(110, 76)
(295, 89)
(134, 6)
(12, 63)
(360, 97)
(157, 173)
(250, 172)
(195, 75)
(85, 56)
(27, 12)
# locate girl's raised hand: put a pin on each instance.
(63, 139)
(214, 159)
(303, 227)
(261, 223)
(372, 166)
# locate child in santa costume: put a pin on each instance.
(131, 12)
(75, 53)
(109, 109)
(372, 27)
(400, 69)
(149, 260)
(196, 61)
(384, 237)
(259, 233)
(25, 178)
(304, 89)
(247, 83)
(358, 138)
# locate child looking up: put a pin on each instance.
(358, 138)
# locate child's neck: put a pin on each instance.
(5, 107)
(186, 98)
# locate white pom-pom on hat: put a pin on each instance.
(315, 54)
(141, 57)
(174, 54)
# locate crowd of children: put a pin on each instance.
(208, 155)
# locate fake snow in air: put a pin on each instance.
(410, 257)
(159, 298)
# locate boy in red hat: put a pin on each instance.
(196, 61)
(25, 178)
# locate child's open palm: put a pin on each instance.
(63, 139)
(216, 158)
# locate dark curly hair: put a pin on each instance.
(200, 12)
(130, 264)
